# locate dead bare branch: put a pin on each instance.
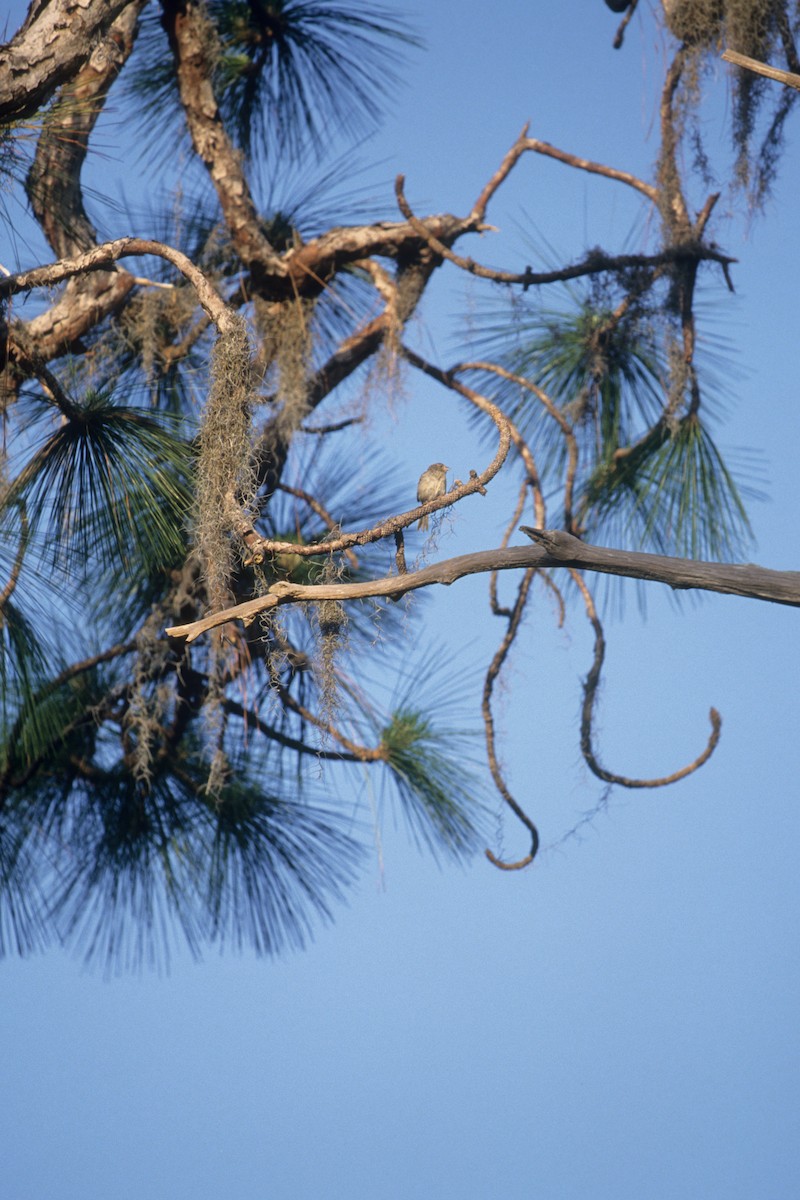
(555, 412)
(788, 78)
(594, 168)
(596, 261)
(554, 548)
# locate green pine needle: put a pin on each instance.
(110, 480)
(676, 496)
(437, 791)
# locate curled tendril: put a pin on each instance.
(590, 695)
(528, 859)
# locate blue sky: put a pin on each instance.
(618, 1022)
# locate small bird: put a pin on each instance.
(432, 484)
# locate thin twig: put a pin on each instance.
(497, 609)
(557, 415)
(594, 168)
(520, 444)
(333, 428)
(506, 166)
(322, 512)
(269, 731)
(360, 753)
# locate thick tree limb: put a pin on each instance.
(53, 183)
(56, 39)
(553, 548)
(189, 31)
(311, 265)
(733, 579)
(53, 187)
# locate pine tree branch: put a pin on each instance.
(500, 656)
(553, 548)
(53, 184)
(101, 256)
(54, 42)
(190, 34)
(594, 263)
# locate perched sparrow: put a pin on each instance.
(432, 484)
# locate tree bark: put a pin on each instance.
(58, 37)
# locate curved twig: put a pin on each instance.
(359, 753)
(587, 711)
(549, 582)
(100, 256)
(495, 667)
(520, 445)
(520, 863)
(494, 604)
(321, 511)
(555, 412)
